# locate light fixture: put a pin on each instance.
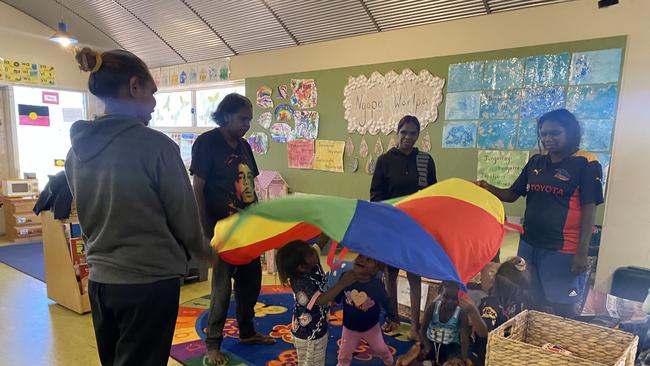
(62, 36)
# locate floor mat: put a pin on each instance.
(27, 258)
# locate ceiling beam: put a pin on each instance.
(372, 18)
(151, 29)
(211, 28)
(487, 7)
(277, 19)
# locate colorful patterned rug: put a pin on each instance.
(272, 317)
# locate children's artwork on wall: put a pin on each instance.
(281, 132)
(282, 91)
(467, 76)
(500, 168)
(527, 134)
(265, 119)
(363, 148)
(183, 75)
(459, 135)
(596, 67)
(47, 75)
(604, 160)
(597, 135)
(425, 143)
(504, 74)
(283, 113)
(164, 77)
(29, 73)
(592, 101)
(194, 73)
(259, 142)
(155, 74)
(174, 79)
(329, 155)
(499, 134)
(185, 145)
(500, 104)
(371, 165)
(379, 148)
(464, 105)
(306, 123)
(300, 154)
(349, 147)
(203, 72)
(305, 93)
(547, 70)
(538, 101)
(353, 164)
(264, 99)
(374, 105)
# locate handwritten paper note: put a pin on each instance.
(329, 155)
(500, 168)
(300, 154)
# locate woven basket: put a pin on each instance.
(519, 340)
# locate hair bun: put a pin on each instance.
(86, 59)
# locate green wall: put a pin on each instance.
(450, 162)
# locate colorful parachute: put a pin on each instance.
(448, 231)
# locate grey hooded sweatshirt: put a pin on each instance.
(135, 202)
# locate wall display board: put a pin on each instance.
(488, 104)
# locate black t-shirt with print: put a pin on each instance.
(228, 173)
(555, 193)
(309, 320)
(493, 315)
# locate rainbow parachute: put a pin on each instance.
(448, 231)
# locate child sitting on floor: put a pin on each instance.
(445, 329)
(299, 266)
(362, 304)
(507, 298)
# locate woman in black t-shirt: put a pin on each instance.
(402, 171)
(563, 186)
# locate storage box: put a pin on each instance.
(519, 341)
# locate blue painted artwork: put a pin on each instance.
(459, 135)
(504, 74)
(604, 160)
(596, 67)
(538, 101)
(462, 105)
(466, 76)
(527, 134)
(547, 70)
(596, 135)
(499, 134)
(500, 104)
(592, 101)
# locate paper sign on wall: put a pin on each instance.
(72, 114)
(300, 154)
(500, 168)
(329, 155)
(50, 97)
(404, 293)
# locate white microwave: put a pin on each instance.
(20, 187)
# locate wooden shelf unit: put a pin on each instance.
(60, 277)
(21, 224)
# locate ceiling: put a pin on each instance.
(167, 32)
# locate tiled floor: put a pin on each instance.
(36, 331)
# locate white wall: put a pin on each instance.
(627, 216)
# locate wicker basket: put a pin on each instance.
(519, 340)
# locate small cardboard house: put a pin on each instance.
(270, 184)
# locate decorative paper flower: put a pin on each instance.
(261, 310)
(286, 358)
(282, 331)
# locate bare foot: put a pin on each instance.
(414, 334)
(215, 357)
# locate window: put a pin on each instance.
(173, 110)
(207, 101)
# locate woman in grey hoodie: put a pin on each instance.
(137, 212)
